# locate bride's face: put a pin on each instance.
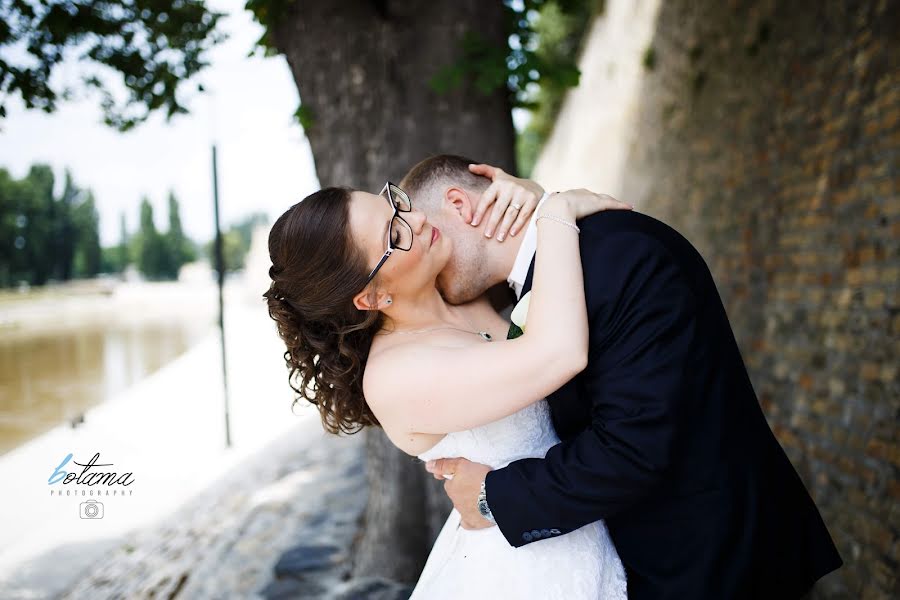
(404, 272)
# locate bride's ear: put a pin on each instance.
(460, 203)
(368, 300)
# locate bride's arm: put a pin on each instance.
(435, 389)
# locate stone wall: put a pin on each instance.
(769, 134)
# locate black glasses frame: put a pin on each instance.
(391, 190)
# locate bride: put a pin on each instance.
(370, 341)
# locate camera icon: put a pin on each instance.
(91, 510)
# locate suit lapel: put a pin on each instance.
(567, 413)
(526, 287)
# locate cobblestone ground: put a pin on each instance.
(279, 526)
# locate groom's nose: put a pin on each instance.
(417, 220)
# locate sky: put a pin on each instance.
(264, 160)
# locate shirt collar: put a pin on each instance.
(526, 252)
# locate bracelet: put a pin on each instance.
(558, 220)
(483, 507)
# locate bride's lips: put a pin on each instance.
(435, 234)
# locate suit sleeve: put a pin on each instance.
(642, 319)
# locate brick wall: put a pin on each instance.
(769, 134)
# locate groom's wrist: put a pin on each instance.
(483, 507)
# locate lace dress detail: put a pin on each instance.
(480, 563)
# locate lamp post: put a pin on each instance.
(220, 271)
(218, 257)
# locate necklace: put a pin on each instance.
(484, 334)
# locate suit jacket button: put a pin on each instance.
(545, 533)
(535, 534)
(527, 537)
(555, 531)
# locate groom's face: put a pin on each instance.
(466, 274)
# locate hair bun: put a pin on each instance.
(316, 270)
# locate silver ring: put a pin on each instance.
(516, 206)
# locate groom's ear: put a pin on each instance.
(459, 201)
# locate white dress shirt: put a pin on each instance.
(520, 268)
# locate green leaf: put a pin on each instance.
(173, 39)
(304, 116)
(514, 331)
(447, 78)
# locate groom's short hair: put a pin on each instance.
(424, 181)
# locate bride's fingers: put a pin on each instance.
(508, 217)
(504, 199)
(521, 220)
(528, 203)
(485, 170)
(488, 197)
(519, 205)
(614, 204)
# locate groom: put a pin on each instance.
(662, 434)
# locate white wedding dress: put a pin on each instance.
(474, 564)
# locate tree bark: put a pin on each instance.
(363, 69)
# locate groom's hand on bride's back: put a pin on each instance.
(462, 482)
(511, 200)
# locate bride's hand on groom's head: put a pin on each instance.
(513, 199)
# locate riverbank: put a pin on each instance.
(273, 515)
(291, 509)
(278, 524)
(195, 507)
(106, 302)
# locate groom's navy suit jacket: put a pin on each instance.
(663, 437)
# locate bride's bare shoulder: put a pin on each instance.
(388, 392)
(390, 358)
(393, 353)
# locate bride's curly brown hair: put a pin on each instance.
(317, 269)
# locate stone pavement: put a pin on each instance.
(279, 525)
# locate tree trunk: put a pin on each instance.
(363, 69)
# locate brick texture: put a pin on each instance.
(769, 134)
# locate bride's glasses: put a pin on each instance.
(400, 234)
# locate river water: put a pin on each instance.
(50, 378)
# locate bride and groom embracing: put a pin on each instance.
(611, 448)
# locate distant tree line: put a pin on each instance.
(157, 255)
(46, 238)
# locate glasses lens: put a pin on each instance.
(401, 234)
(401, 199)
